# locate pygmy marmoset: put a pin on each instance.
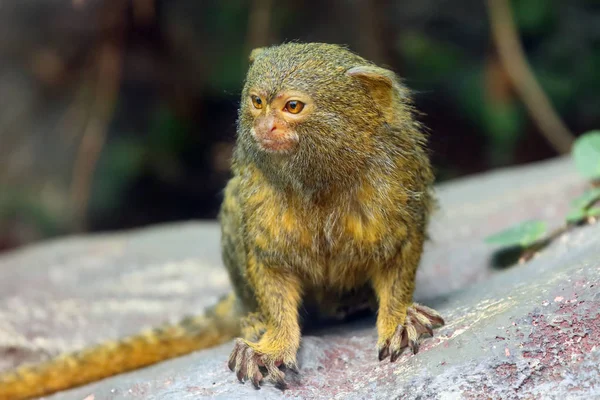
(327, 209)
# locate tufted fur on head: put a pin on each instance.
(362, 115)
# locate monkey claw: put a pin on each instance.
(420, 320)
(251, 365)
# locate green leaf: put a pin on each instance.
(587, 199)
(575, 215)
(593, 212)
(580, 207)
(586, 153)
(523, 234)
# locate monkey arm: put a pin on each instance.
(400, 322)
(394, 286)
(278, 292)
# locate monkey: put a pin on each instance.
(326, 210)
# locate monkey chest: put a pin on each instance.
(334, 249)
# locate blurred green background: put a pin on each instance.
(117, 114)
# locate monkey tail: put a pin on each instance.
(219, 324)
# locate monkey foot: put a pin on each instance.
(249, 364)
(420, 320)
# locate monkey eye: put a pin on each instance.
(294, 106)
(256, 102)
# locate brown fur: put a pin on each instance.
(337, 222)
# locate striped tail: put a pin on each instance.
(219, 324)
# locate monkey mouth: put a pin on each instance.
(276, 146)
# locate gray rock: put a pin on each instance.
(531, 330)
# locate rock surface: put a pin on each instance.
(525, 331)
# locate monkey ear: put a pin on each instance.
(380, 83)
(254, 53)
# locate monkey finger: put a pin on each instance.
(252, 370)
(256, 379)
(414, 346)
(396, 343)
(231, 361)
(397, 352)
(396, 340)
(435, 318)
(423, 323)
(419, 326)
(384, 352)
(293, 367)
(241, 364)
(275, 375)
(233, 356)
(412, 335)
(429, 329)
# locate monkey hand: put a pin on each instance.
(262, 361)
(420, 320)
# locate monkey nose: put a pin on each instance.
(271, 126)
(274, 128)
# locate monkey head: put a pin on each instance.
(315, 113)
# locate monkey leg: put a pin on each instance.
(400, 322)
(278, 294)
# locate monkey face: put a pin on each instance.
(314, 114)
(274, 123)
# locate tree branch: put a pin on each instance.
(515, 63)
